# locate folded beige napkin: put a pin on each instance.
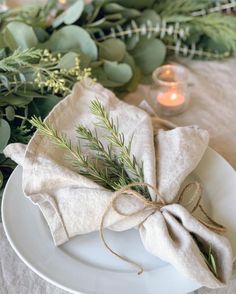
(72, 204)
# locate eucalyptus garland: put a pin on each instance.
(45, 49)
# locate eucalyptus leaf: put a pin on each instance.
(46, 105)
(68, 60)
(149, 54)
(124, 11)
(41, 34)
(15, 100)
(72, 38)
(5, 133)
(106, 24)
(113, 7)
(112, 74)
(178, 18)
(96, 4)
(118, 72)
(130, 13)
(112, 49)
(129, 60)
(109, 84)
(97, 23)
(149, 16)
(114, 16)
(132, 42)
(133, 83)
(70, 15)
(19, 35)
(10, 113)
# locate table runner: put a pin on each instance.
(213, 107)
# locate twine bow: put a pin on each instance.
(154, 206)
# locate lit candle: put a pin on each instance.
(170, 102)
(171, 99)
(170, 91)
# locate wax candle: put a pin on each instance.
(169, 91)
(171, 99)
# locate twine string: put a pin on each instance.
(153, 206)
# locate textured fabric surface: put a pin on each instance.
(212, 107)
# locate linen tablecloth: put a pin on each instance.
(212, 106)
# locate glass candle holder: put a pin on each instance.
(169, 93)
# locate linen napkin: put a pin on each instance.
(73, 204)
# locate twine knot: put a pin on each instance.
(155, 205)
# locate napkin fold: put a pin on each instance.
(73, 204)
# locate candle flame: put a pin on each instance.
(62, 2)
(173, 96)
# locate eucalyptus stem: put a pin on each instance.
(24, 118)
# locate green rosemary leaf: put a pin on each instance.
(20, 59)
(82, 162)
(115, 137)
(21, 134)
(169, 7)
(212, 261)
(207, 254)
(108, 169)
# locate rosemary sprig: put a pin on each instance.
(169, 7)
(85, 166)
(117, 139)
(103, 153)
(208, 255)
(108, 169)
(19, 59)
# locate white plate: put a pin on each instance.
(83, 265)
